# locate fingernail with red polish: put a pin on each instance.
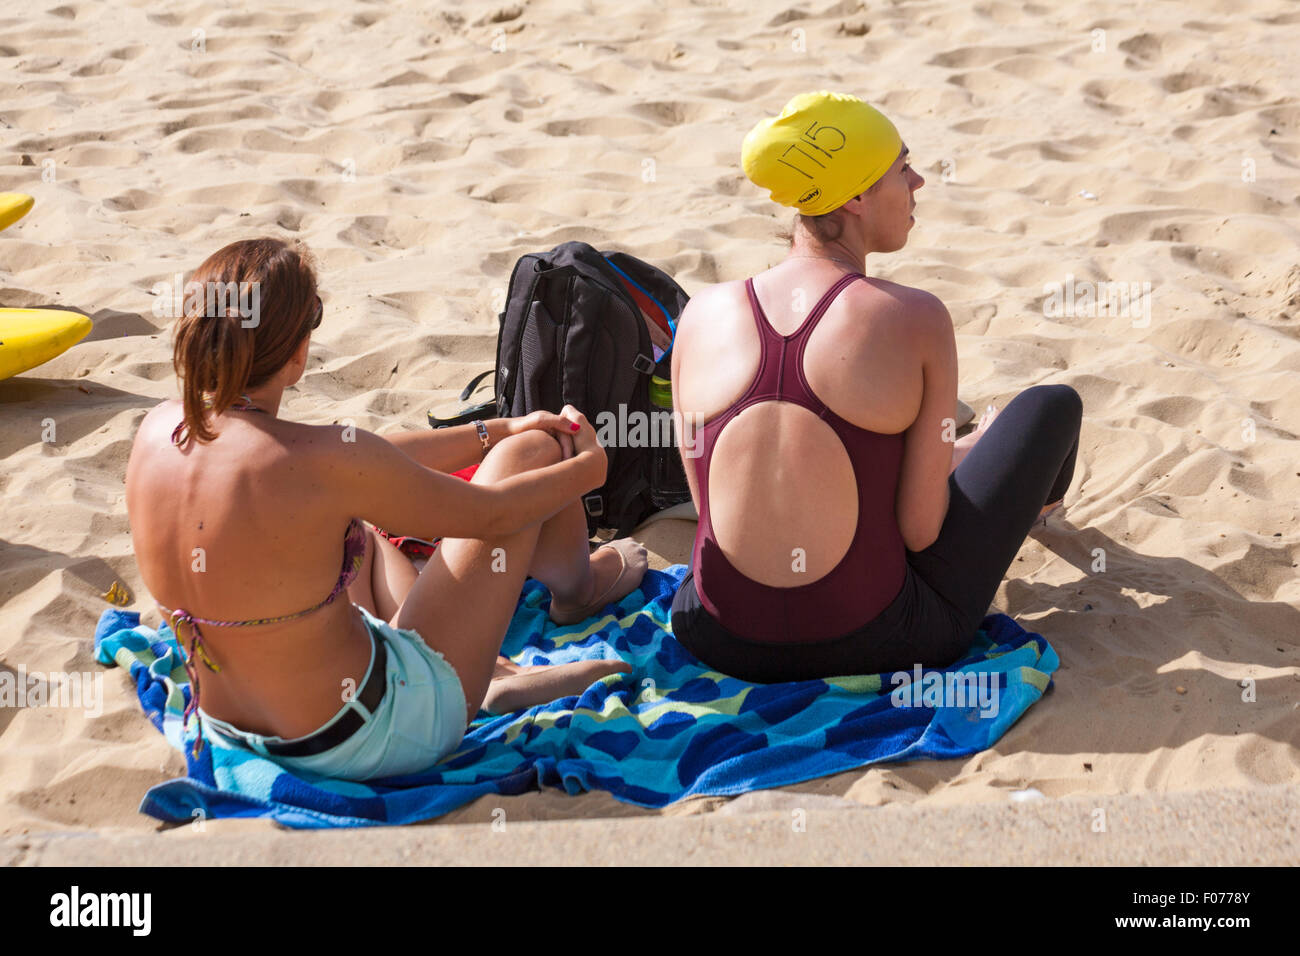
(573, 427)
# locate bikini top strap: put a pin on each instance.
(177, 620)
(354, 555)
(180, 434)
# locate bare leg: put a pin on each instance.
(564, 562)
(538, 685)
(562, 558)
(385, 577)
(393, 577)
(463, 600)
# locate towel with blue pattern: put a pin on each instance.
(671, 729)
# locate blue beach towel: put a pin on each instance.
(669, 730)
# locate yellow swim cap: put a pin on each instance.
(824, 149)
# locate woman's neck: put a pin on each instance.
(266, 397)
(840, 251)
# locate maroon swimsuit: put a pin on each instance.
(870, 575)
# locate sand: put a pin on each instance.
(419, 151)
(1241, 827)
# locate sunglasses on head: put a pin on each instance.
(320, 314)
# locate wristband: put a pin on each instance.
(483, 437)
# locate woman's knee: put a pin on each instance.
(1060, 403)
(522, 452)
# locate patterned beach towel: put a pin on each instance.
(671, 729)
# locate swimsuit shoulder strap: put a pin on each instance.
(765, 330)
(764, 325)
(825, 302)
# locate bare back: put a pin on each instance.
(776, 459)
(244, 528)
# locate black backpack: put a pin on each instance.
(574, 332)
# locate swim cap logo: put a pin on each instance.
(810, 195)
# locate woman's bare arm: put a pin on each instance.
(377, 481)
(922, 501)
(447, 449)
(451, 449)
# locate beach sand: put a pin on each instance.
(419, 152)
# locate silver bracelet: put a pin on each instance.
(483, 438)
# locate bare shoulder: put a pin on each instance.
(169, 409)
(711, 318)
(329, 445)
(708, 302)
(344, 453)
(152, 435)
(163, 417)
(907, 298)
(915, 312)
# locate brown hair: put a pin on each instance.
(217, 351)
(824, 228)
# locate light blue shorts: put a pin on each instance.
(420, 720)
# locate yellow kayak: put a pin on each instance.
(29, 337)
(13, 206)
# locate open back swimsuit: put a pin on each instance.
(869, 575)
(883, 607)
(354, 554)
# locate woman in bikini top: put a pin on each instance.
(237, 514)
(186, 626)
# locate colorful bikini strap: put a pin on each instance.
(180, 434)
(354, 555)
(176, 620)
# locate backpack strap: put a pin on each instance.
(473, 384)
(648, 304)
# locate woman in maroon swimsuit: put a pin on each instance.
(842, 529)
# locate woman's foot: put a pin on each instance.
(616, 571)
(530, 686)
(1049, 510)
(505, 667)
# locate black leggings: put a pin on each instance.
(1023, 462)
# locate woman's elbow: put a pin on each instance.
(919, 540)
(919, 531)
(501, 521)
